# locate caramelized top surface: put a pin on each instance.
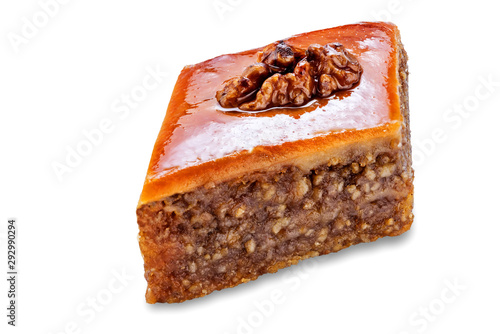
(202, 142)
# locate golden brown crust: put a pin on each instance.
(164, 180)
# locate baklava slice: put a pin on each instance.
(275, 155)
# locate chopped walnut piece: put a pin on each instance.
(281, 57)
(274, 92)
(250, 246)
(240, 89)
(281, 89)
(334, 67)
(301, 83)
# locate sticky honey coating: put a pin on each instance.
(199, 137)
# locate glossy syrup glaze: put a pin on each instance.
(197, 129)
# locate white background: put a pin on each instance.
(77, 232)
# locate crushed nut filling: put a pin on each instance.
(285, 75)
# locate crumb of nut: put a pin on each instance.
(250, 246)
(351, 188)
(369, 158)
(302, 187)
(186, 282)
(317, 178)
(383, 160)
(375, 187)
(245, 280)
(317, 194)
(364, 226)
(355, 195)
(365, 238)
(269, 193)
(192, 267)
(333, 161)
(345, 172)
(232, 237)
(221, 211)
(280, 211)
(199, 250)
(340, 186)
(329, 215)
(189, 249)
(195, 287)
(203, 218)
(311, 254)
(389, 222)
(309, 232)
(338, 224)
(308, 204)
(355, 167)
(323, 234)
(369, 174)
(279, 224)
(387, 170)
(240, 211)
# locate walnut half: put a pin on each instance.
(335, 68)
(286, 75)
(281, 89)
(281, 57)
(240, 89)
